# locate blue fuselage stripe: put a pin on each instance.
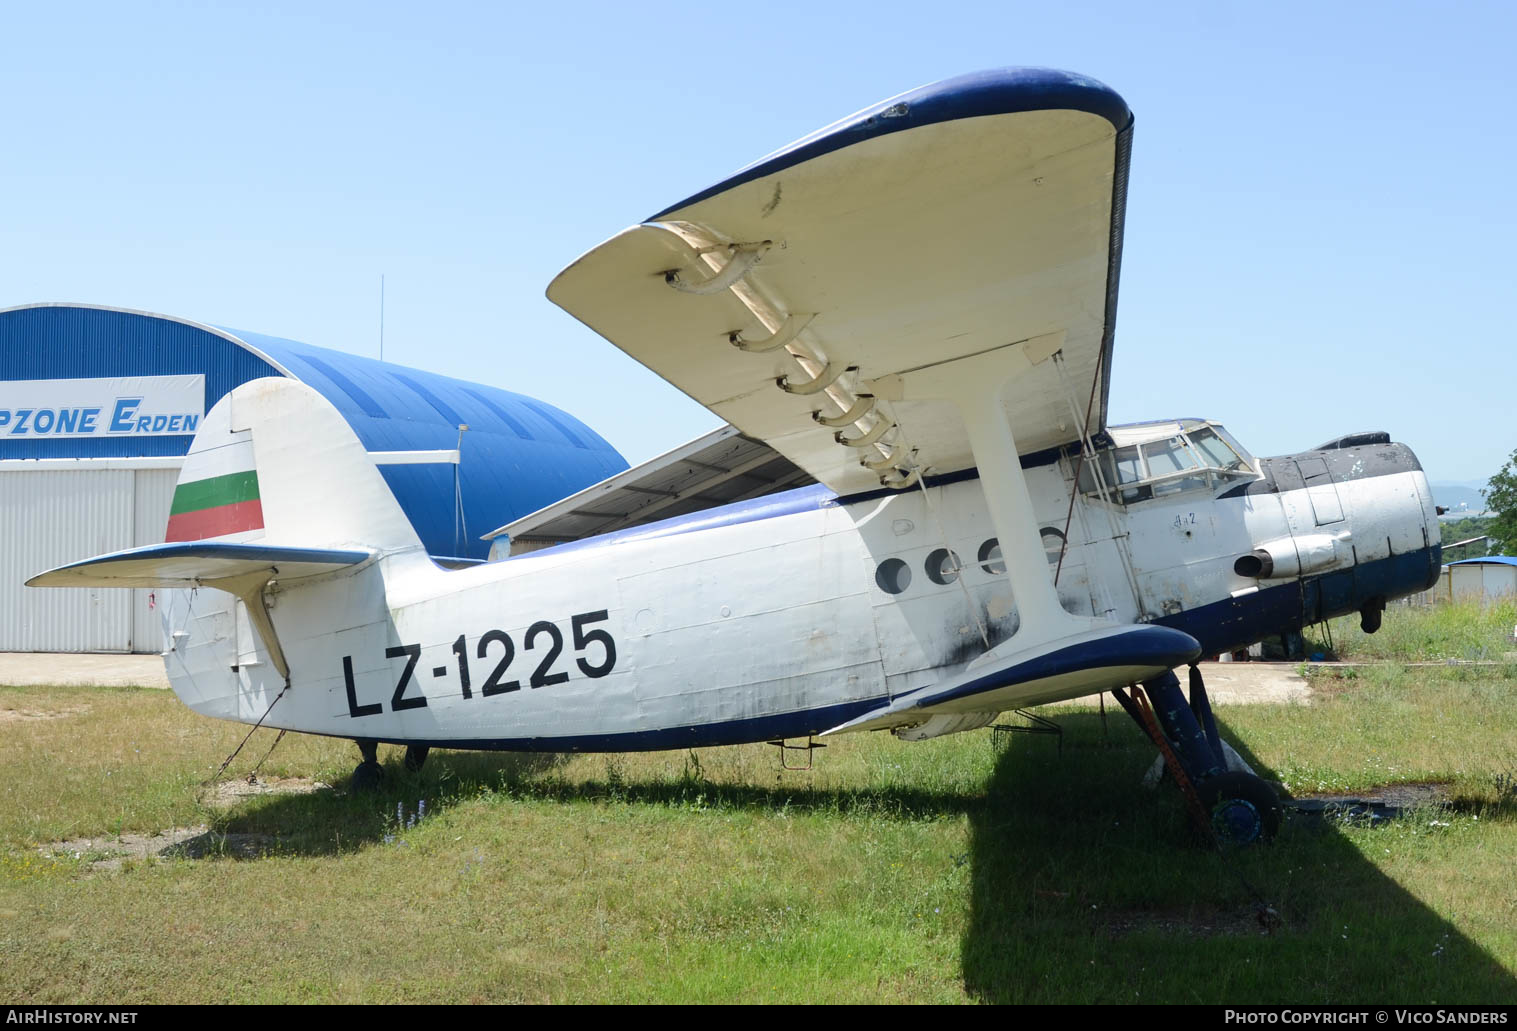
(1237, 622)
(732, 732)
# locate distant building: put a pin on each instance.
(1489, 577)
(1474, 578)
(98, 407)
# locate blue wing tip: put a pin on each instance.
(1174, 647)
(991, 92)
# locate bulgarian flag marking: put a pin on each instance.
(215, 507)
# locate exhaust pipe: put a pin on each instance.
(1291, 556)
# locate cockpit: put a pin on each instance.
(1157, 459)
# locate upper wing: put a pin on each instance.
(947, 222)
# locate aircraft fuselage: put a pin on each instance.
(791, 614)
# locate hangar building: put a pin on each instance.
(98, 406)
(1486, 578)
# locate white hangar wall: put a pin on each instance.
(50, 508)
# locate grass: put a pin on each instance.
(1469, 632)
(945, 871)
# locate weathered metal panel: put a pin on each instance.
(50, 518)
(153, 494)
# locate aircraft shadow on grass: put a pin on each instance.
(330, 822)
(1051, 918)
(1084, 886)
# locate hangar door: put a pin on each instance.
(52, 517)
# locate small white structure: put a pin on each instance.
(1489, 577)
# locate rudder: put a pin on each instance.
(274, 462)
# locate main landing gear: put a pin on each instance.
(1232, 804)
(368, 775)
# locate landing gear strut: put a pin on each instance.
(415, 756)
(367, 775)
(1235, 806)
(1369, 616)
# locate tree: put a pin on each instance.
(1501, 498)
(1469, 528)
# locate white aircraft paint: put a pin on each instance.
(652, 638)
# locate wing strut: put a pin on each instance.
(974, 384)
(249, 589)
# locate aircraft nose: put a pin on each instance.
(1394, 531)
(1363, 529)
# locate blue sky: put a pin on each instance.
(1319, 226)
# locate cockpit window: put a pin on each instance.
(1168, 456)
(1199, 457)
(1219, 453)
(1118, 465)
(1167, 459)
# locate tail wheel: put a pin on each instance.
(1242, 808)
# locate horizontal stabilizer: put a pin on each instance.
(196, 563)
(1069, 667)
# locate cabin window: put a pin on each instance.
(990, 557)
(893, 576)
(943, 567)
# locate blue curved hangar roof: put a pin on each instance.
(517, 456)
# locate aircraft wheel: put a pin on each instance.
(367, 778)
(416, 755)
(1244, 810)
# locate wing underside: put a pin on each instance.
(1088, 663)
(197, 563)
(796, 299)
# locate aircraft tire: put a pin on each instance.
(367, 778)
(1244, 810)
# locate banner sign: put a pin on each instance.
(128, 406)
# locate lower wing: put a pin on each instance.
(1070, 667)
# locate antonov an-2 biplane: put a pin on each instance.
(915, 306)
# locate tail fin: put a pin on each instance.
(275, 476)
(275, 485)
(275, 463)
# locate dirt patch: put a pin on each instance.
(228, 793)
(198, 842)
(109, 853)
(21, 715)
